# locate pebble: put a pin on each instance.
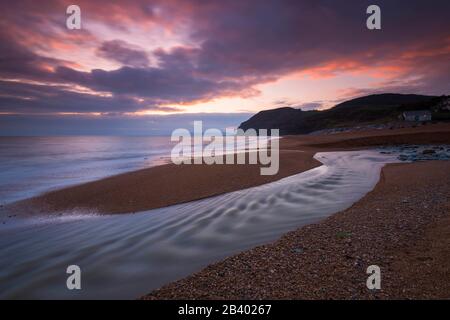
(297, 250)
(420, 153)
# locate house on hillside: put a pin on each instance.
(421, 115)
(444, 105)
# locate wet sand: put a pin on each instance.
(402, 226)
(163, 186)
(170, 184)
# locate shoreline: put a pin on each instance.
(402, 226)
(387, 226)
(196, 233)
(160, 186)
(169, 184)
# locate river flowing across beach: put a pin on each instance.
(125, 256)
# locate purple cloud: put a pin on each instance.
(239, 44)
(124, 53)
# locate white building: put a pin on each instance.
(421, 115)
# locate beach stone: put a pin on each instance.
(428, 151)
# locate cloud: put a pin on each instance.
(34, 98)
(168, 85)
(124, 53)
(305, 106)
(310, 106)
(17, 60)
(230, 48)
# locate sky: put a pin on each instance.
(147, 67)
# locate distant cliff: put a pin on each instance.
(378, 108)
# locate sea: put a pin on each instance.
(33, 165)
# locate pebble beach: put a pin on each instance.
(402, 226)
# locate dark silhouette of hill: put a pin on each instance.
(372, 109)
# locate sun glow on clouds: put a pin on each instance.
(168, 57)
(325, 85)
(292, 90)
(66, 87)
(147, 34)
(150, 112)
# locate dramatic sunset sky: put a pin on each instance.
(146, 67)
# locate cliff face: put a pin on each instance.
(378, 108)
